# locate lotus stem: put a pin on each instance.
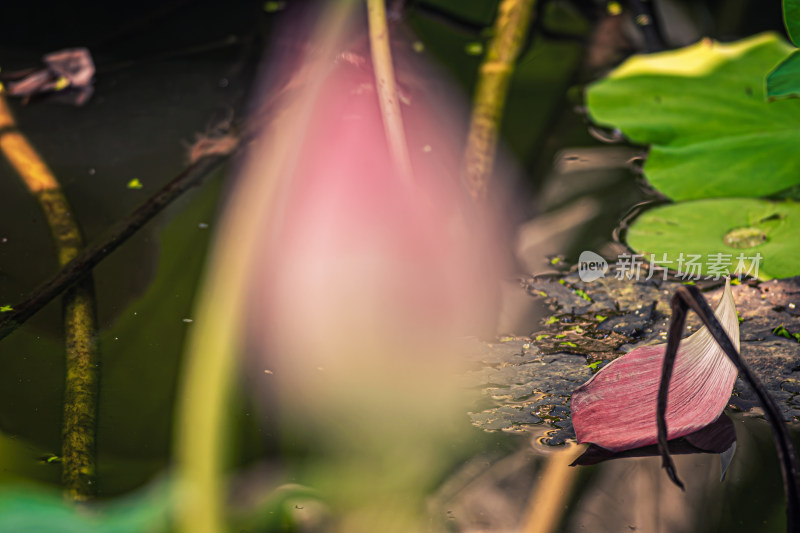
(208, 375)
(689, 297)
(551, 493)
(386, 87)
(80, 324)
(511, 26)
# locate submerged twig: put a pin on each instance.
(689, 297)
(80, 324)
(386, 87)
(511, 26)
(92, 254)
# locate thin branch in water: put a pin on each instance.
(79, 428)
(689, 297)
(511, 26)
(95, 252)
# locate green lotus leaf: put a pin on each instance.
(791, 17)
(784, 81)
(732, 227)
(703, 110)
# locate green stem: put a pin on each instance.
(80, 392)
(80, 326)
(208, 375)
(511, 26)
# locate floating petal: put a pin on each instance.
(616, 409)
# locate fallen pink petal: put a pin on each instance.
(616, 408)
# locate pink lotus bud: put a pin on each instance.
(367, 272)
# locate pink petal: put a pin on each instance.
(616, 409)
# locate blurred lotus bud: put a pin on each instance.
(363, 266)
(367, 277)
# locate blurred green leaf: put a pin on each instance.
(701, 228)
(784, 81)
(30, 510)
(703, 110)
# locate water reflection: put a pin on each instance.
(717, 437)
(517, 491)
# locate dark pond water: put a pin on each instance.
(166, 75)
(517, 476)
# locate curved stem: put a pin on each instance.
(676, 324)
(386, 88)
(80, 324)
(689, 297)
